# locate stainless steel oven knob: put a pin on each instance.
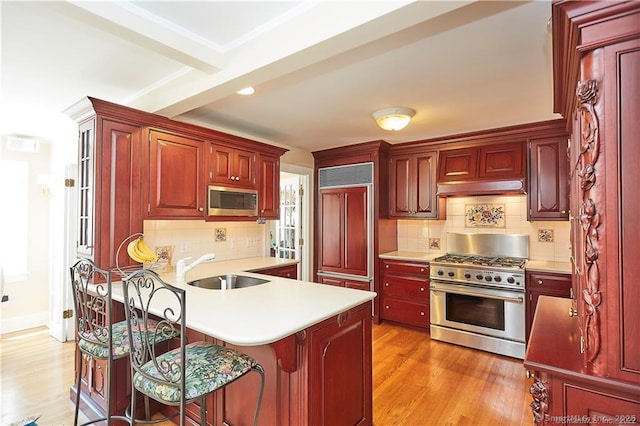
(479, 277)
(440, 272)
(511, 280)
(451, 274)
(497, 279)
(487, 278)
(467, 275)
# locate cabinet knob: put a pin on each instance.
(201, 209)
(563, 211)
(386, 284)
(386, 307)
(421, 269)
(528, 374)
(572, 312)
(421, 314)
(386, 266)
(421, 288)
(540, 282)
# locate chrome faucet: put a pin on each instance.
(182, 268)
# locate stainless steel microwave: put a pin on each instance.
(223, 201)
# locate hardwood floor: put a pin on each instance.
(416, 381)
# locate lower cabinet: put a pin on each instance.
(289, 271)
(321, 375)
(342, 282)
(405, 292)
(543, 284)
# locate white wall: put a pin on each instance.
(414, 235)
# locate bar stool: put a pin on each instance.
(190, 371)
(96, 337)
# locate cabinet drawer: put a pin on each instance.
(406, 288)
(409, 268)
(549, 281)
(405, 312)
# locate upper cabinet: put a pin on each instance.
(133, 165)
(175, 178)
(231, 166)
(412, 186)
(548, 181)
(269, 188)
(482, 170)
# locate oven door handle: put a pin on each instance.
(486, 296)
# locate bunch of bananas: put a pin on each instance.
(139, 251)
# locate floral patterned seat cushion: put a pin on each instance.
(120, 338)
(209, 367)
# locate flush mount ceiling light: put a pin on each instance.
(246, 91)
(393, 118)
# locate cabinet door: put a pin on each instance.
(426, 205)
(340, 370)
(400, 186)
(86, 188)
(356, 242)
(231, 166)
(176, 183)
(502, 161)
(269, 189)
(548, 181)
(458, 164)
(342, 230)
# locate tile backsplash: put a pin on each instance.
(548, 240)
(193, 238)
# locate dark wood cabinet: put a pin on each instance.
(269, 188)
(343, 282)
(384, 236)
(319, 376)
(589, 363)
(548, 195)
(288, 271)
(343, 230)
(543, 284)
(230, 166)
(175, 176)
(109, 186)
(405, 292)
(488, 162)
(340, 361)
(412, 186)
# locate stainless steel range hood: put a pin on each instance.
(471, 188)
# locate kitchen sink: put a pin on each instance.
(232, 280)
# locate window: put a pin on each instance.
(14, 180)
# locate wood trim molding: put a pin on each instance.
(540, 405)
(587, 97)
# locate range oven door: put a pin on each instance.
(486, 311)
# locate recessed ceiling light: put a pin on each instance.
(246, 91)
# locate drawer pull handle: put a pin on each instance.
(540, 282)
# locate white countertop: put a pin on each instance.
(548, 266)
(261, 314)
(415, 256)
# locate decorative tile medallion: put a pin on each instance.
(434, 243)
(221, 234)
(545, 235)
(490, 215)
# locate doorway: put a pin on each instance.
(289, 236)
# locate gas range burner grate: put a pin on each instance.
(500, 262)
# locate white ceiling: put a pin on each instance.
(320, 68)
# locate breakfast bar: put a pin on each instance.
(313, 341)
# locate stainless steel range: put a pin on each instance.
(477, 292)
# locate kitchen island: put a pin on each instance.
(313, 341)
